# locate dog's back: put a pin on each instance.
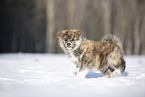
(109, 55)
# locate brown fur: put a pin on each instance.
(106, 55)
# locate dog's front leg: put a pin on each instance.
(81, 72)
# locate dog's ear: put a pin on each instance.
(78, 32)
(59, 34)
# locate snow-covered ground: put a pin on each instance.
(53, 75)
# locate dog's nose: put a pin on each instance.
(68, 44)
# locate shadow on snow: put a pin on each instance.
(92, 74)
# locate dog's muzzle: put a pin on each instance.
(69, 44)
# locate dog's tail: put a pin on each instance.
(111, 39)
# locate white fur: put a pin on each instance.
(116, 72)
(61, 44)
(73, 58)
(78, 70)
(82, 74)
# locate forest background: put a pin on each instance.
(31, 26)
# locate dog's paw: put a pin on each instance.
(116, 72)
(80, 75)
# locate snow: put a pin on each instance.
(53, 75)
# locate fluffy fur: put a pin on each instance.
(106, 55)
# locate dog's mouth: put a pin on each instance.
(69, 48)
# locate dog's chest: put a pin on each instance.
(73, 57)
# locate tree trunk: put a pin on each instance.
(50, 26)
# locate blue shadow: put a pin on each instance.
(92, 74)
(125, 73)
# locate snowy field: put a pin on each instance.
(53, 75)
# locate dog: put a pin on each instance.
(105, 56)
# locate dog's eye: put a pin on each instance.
(65, 39)
(72, 38)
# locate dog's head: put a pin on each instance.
(69, 40)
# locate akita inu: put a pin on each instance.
(106, 55)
